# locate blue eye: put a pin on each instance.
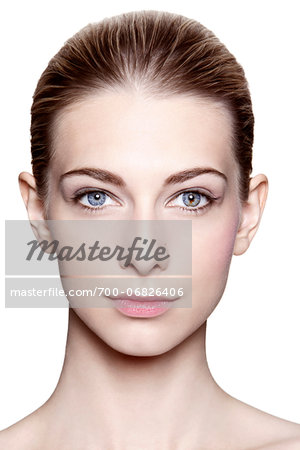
(96, 198)
(193, 201)
(93, 199)
(191, 198)
(188, 201)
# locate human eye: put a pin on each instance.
(93, 199)
(193, 201)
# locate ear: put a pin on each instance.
(251, 213)
(34, 206)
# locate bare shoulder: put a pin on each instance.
(259, 430)
(24, 434)
(274, 433)
(285, 444)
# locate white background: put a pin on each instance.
(253, 337)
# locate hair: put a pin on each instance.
(158, 52)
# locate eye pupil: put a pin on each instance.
(96, 198)
(192, 199)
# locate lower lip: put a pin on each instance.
(142, 309)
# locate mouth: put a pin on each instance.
(140, 306)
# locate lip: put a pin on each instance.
(139, 306)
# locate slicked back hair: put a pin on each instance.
(159, 53)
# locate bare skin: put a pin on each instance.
(68, 419)
(130, 383)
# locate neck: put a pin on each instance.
(118, 399)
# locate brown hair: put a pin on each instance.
(160, 52)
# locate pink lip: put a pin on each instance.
(142, 306)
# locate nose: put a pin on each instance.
(147, 247)
(144, 214)
(145, 206)
(144, 260)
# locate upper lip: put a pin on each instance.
(141, 298)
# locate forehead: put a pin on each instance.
(130, 128)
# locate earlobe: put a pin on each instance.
(34, 206)
(251, 213)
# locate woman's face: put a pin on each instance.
(144, 141)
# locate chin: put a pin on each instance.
(134, 342)
(152, 342)
(140, 350)
(140, 337)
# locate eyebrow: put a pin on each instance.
(109, 177)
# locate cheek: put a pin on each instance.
(213, 245)
(213, 242)
(217, 249)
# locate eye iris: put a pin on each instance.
(192, 199)
(96, 198)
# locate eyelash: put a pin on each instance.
(211, 199)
